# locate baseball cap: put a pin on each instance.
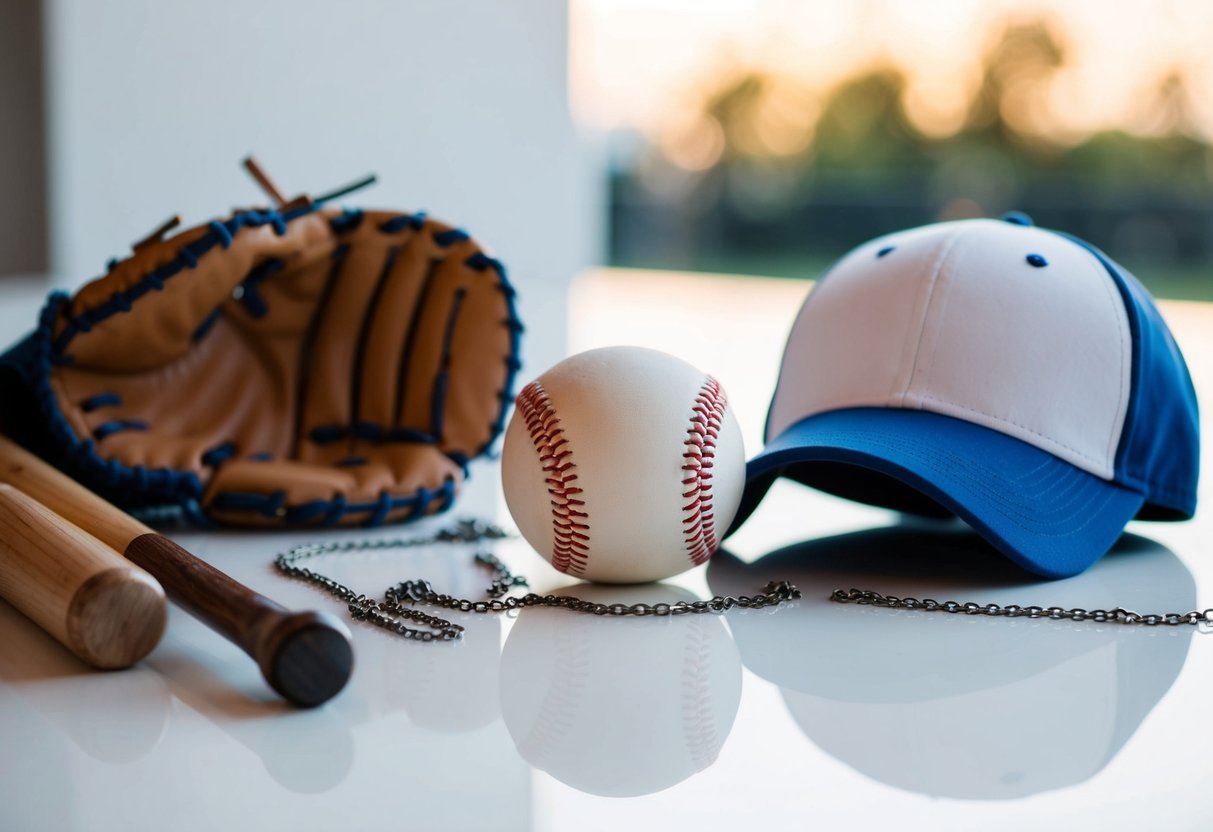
(1015, 377)
(962, 706)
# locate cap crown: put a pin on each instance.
(1015, 328)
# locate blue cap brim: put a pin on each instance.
(1042, 512)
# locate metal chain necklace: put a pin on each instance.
(1202, 619)
(396, 608)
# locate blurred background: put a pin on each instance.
(760, 137)
(769, 136)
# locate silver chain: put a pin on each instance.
(1202, 619)
(396, 608)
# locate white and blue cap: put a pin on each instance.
(1014, 377)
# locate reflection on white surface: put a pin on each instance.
(953, 705)
(306, 752)
(448, 687)
(127, 711)
(417, 733)
(619, 707)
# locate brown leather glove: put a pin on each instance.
(301, 366)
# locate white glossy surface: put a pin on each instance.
(817, 716)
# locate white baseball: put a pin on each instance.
(623, 465)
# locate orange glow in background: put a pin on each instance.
(650, 65)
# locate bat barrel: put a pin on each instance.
(106, 610)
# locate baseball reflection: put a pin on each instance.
(623, 706)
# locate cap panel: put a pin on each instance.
(1039, 352)
(1159, 451)
(854, 342)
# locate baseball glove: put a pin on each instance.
(291, 366)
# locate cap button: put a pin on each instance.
(1017, 218)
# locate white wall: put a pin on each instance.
(460, 107)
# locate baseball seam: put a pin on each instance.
(707, 415)
(570, 527)
(698, 723)
(560, 709)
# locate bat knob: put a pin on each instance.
(307, 657)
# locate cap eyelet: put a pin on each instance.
(1037, 261)
(884, 251)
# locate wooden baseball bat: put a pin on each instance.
(305, 656)
(106, 610)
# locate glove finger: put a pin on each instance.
(476, 361)
(402, 284)
(459, 354)
(362, 262)
(147, 310)
(402, 301)
(403, 482)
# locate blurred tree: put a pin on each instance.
(1008, 109)
(1171, 158)
(1170, 110)
(772, 167)
(762, 116)
(766, 122)
(1117, 161)
(1003, 147)
(861, 129)
(734, 108)
(863, 132)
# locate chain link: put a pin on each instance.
(1202, 619)
(396, 609)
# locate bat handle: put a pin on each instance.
(305, 656)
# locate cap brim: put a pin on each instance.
(1044, 514)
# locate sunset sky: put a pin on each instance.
(648, 64)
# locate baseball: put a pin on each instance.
(623, 465)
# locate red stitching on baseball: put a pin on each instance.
(707, 415)
(570, 530)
